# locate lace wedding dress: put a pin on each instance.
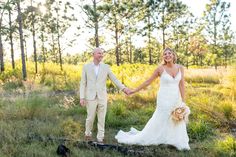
(161, 129)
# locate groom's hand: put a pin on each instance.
(131, 92)
(82, 102)
(127, 91)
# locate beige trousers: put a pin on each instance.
(94, 107)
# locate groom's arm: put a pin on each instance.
(83, 83)
(116, 81)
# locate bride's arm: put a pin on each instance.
(148, 81)
(182, 84)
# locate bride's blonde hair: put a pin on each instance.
(174, 54)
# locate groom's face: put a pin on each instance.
(98, 55)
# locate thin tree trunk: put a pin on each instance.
(1, 48)
(35, 53)
(1, 45)
(127, 48)
(58, 41)
(149, 40)
(59, 50)
(215, 35)
(2, 68)
(43, 48)
(163, 30)
(11, 41)
(130, 50)
(96, 23)
(34, 41)
(24, 74)
(53, 49)
(117, 43)
(1, 52)
(26, 56)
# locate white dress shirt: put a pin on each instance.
(96, 69)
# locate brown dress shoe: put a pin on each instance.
(88, 138)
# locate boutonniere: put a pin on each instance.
(180, 113)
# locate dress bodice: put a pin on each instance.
(167, 80)
(169, 93)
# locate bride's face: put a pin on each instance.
(168, 56)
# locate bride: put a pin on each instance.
(168, 123)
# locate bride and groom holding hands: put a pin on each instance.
(167, 124)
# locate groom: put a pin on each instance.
(93, 93)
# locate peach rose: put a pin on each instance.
(180, 113)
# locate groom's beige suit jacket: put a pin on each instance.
(92, 85)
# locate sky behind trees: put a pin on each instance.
(195, 6)
(81, 41)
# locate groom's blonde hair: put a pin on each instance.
(174, 54)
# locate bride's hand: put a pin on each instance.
(131, 91)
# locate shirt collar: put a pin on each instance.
(96, 65)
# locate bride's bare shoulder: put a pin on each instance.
(180, 66)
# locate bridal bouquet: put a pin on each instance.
(180, 113)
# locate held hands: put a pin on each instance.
(128, 91)
(82, 102)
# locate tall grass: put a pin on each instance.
(27, 121)
(227, 146)
(209, 76)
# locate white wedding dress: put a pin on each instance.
(161, 129)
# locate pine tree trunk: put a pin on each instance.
(58, 42)
(1, 52)
(34, 41)
(53, 49)
(26, 56)
(43, 48)
(149, 41)
(163, 30)
(24, 73)
(127, 49)
(117, 43)
(59, 50)
(130, 50)
(11, 41)
(35, 53)
(96, 23)
(1, 47)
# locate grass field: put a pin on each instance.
(36, 114)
